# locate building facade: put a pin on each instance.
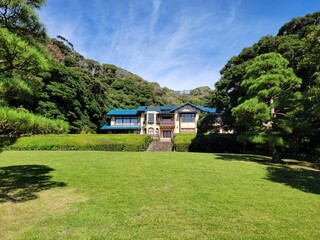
(160, 122)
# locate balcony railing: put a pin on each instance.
(166, 124)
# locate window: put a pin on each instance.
(134, 121)
(151, 131)
(126, 121)
(187, 117)
(166, 119)
(119, 120)
(150, 118)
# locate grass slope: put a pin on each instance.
(123, 195)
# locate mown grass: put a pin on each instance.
(105, 142)
(122, 195)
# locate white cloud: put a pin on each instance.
(182, 49)
(233, 6)
(154, 15)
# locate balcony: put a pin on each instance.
(167, 124)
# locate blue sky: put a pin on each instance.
(181, 44)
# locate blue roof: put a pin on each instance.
(141, 108)
(122, 112)
(169, 108)
(208, 110)
(157, 109)
(108, 127)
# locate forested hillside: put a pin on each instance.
(271, 90)
(48, 77)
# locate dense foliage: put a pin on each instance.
(297, 42)
(23, 64)
(267, 110)
(102, 142)
(16, 122)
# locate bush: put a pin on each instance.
(99, 142)
(182, 142)
(218, 143)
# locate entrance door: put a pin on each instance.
(167, 134)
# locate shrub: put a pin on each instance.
(216, 143)
(182, 142)
(207, 143)
(99, 142)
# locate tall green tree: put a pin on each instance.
(267, 110)
(21, 67)
(18, 16)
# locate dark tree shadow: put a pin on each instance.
(21, 183)
(307, 180)
(296, 174)
(244, 157)
(6, 141)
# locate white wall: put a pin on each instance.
(186, 125)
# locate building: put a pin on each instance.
(160, 122)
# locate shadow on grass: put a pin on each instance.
(307, 180)
(21, 183)
(244, 157)
(296, 174)
(6, 141)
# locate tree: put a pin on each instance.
(68, 96)
(19, 16)
(21, 66)
(208, 123)
(267, 110)
(17, 122)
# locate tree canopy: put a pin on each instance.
(297, 42)
(18, 16)
(267, 110)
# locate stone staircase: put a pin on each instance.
(157, 146)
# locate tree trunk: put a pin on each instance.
(272, 147)
(274, 153)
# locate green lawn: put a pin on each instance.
(125, 195)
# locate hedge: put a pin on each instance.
(100, 142)
(218, 143)
(182, 141)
